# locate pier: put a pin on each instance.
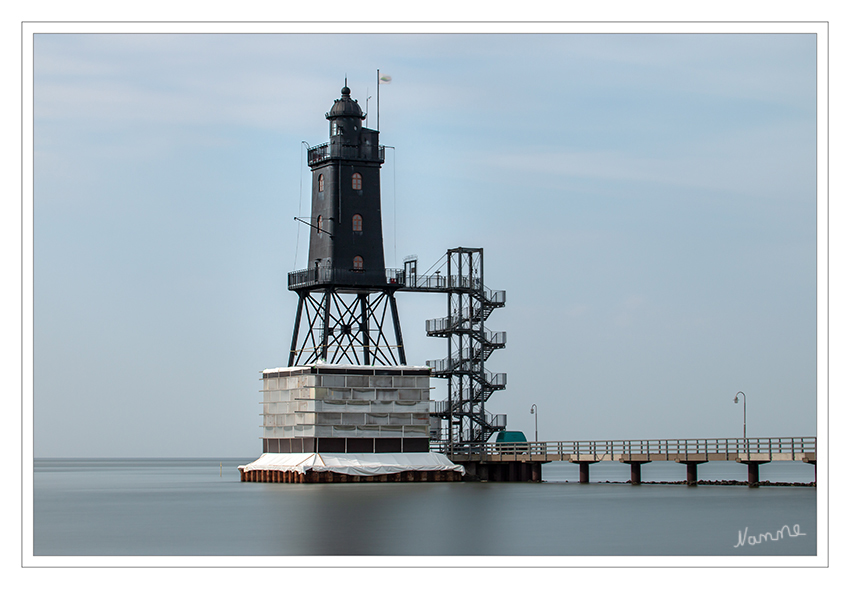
(522, 461)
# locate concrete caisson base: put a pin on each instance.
(409, 467)
(279, 476)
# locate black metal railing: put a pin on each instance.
(440, 283)
(457, 323)
(325, 275)
(482, 429)
(442, 408)
(458, 363)
(325, 151)
(433, 282)
(782, 448)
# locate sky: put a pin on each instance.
(648, 202)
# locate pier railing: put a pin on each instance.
(682, 450)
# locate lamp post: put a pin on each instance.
(534, 413)
(745, 410)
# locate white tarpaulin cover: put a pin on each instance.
(354, 464)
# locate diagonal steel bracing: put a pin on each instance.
(346, 327)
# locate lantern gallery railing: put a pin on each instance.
(323, 275)
(392, 276)
(326, 151)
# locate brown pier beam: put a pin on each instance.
(584, 470)
(692, 473)
(753, 474)
(753, 471)
(635, 467)
(691, 470)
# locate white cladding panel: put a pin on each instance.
(345, 405)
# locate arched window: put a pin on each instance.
(357, 181)
(321, 182)
(358, 263)
(319, 225)
(357, 223)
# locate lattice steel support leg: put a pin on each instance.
(402, 358)
(364, 326)
(326, 327)
(295, 330)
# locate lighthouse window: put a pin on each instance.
(335, 128)
(357, 223)
(358, 263)
(321, 182)
(357, 181)
(319, 225)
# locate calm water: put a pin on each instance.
(183, 507)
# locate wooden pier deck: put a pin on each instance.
(484, 459)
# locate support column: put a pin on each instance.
(583, 469)
(635, 467)
(691, 470)
(584, 472)
(292, 347)
(364, 326)
(537, 472)
(691, 473)
(753, 472)
(397, 326)
(512, 472)
(326, 309)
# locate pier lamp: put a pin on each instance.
(534, 413)
(745, 410)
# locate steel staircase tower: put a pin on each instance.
(470, 344)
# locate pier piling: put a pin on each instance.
(635, 467)
(584, 472)
(753, 474)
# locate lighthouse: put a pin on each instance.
(347, 407)
(346, 296)
(346, 198)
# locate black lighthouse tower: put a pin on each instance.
(346, 296)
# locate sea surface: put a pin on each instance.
(195, 507)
